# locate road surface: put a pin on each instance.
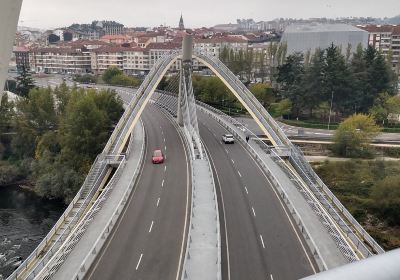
(148, 241)
(260, 236)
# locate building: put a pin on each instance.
(386, 39)
(213, 46)
(158, 50)
(21, 58)
(60, 60)
(181, 25)
(107, 56)
(308, 37)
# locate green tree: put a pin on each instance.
(290, 76)
(24, 83)
(313, 87)
(110, 73)
(263, 92)
(386, 199)
(354, 134)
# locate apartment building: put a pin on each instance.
(107, 56)
(158, 50)
(213, 46)
(386, 39)
(60, 60)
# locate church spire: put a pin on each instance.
(181, 25)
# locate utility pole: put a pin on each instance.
(330, 111)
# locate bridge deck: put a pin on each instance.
(77, 256)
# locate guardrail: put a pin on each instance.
(298, 160)
(184, 275)
(96, 248)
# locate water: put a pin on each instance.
(25, 219)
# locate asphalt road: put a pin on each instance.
(261, 241)
(147, 242)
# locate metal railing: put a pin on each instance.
(49, 244)
(306, 173)
(97, 246)
(61, 255)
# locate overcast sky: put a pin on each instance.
(198, 13)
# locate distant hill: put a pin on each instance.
(394, 20)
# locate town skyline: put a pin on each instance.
(52, 14)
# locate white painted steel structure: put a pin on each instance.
(9, 14)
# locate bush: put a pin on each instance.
(353, 136)
(123, 80)
(386, 199)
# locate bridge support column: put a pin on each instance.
(9, 15)
(186, 102)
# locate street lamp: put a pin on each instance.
(330, 111)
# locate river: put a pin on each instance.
(25, 219)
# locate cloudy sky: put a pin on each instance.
(56, 13)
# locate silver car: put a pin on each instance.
(228, 139)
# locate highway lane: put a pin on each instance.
(147, 242)
(262, 241)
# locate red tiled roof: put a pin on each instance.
(380, 28)
(115, 37)
(116, 49)
(164, 46)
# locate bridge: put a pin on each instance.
(245, 211)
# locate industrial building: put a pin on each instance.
(302, 38)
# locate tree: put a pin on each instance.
(290, 75)
(386, 199)
(284, 107)
(263, 92)
(354, 134)
(110, 73)
(24, 83)
(313, 87)
(337, 79)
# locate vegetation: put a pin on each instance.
(351, 84)
(114, 76)
(50, 138)
(24, 83)
(353, 136)
(86, 79)
(371, 192)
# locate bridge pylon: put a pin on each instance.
(187, 115)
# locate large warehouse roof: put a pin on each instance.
(315, 27)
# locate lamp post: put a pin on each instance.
(330, 111)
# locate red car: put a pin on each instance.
(157, 157)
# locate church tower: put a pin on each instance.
(181, 25)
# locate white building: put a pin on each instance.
(308, 37)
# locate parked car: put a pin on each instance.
(228, 139)
(158, 157)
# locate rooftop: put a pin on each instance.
(318, 27)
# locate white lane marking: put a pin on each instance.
(158, 201)
(262, 241)
(164, 140)
(165, 168)
(246, 190)
(254, 212)
(239, 174)
(162, 183)
(165, 147)
(233, 161)
(226, 151)
(140, 259)
(272, 278)
(284, 209)
(151, 226)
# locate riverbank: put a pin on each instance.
(25, 219)
(369, 189)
